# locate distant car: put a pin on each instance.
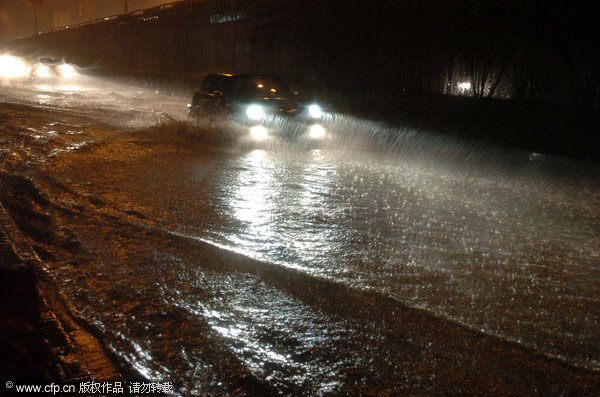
(52, 69)
(264, 103)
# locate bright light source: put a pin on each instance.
(259, 133)
(316, 131)
(255, 112)
(315, 111)
(13, 68)
(41, 71)
(67, 71)
(464, 86)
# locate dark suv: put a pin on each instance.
(264, 103)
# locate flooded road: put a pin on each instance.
(250, 270)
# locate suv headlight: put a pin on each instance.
(315, 111)
(255, 112)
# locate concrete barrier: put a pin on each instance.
(192, 36)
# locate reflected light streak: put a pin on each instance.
(253, 203)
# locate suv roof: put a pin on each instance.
(49, 60)
(247, 85)
(213, 82)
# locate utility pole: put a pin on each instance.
(126, 5)
(35, 4)
(35, 18)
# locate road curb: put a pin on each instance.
(16, 241)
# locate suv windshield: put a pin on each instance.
(258, 87)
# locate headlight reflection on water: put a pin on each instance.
(316, 131)
(62, 88)
(259, 133)
(256, 194)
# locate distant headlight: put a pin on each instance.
(315, 111)
(316, 131)
(13, 68)
(67, 71)
(255, 112)
(42, 71)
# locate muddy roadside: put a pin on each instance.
(41, 341)
(433, 353)
(45, 338)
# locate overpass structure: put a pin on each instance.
(185, 37)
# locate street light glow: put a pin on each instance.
(464, 86)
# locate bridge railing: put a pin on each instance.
(176, 8)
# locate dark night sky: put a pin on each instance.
(16, 16)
